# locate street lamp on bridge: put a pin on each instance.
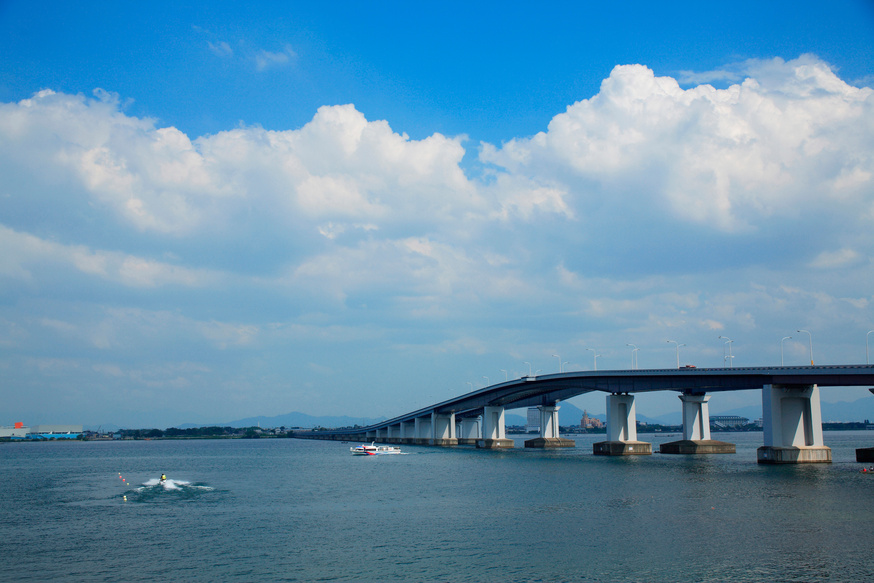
(781, 348)
(866, 346)
(730, 357)
(596, 355)
(559, 362)
(810, 340)
(634, 364)
(678, 351)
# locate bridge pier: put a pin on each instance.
(469, 431)
(443, 429)
(621, 429)
(494, 434)
(549, 432)
(792, 426)
(393, 434)
(422, 431)
(696, 429)
(408, 431)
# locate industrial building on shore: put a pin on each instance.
(41, 432)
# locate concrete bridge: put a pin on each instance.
(792, 421)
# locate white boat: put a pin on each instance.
(374, 449)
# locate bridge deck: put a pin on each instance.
(549, 389)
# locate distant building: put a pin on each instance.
(590, 422)
(533, 425)
(727, 421)
(18, 431)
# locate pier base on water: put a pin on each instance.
(444, 442)
(792, 426)
(550, 442)
(494, 443)
(794, 455)
(865, 454)
(696, 446)
(622, 448)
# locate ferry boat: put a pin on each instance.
(373, 449)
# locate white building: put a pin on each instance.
(55, 429)
(533, 425)
(18, 431)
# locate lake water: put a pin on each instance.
(296, 510)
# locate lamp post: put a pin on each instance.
(678, 351)
(633, 356)
(559, 362)
(529, 367)
(781, 348)
(810, 340)
(866, 346)
(596, 355)
(487, 380)
(730, 357)
(506, 376)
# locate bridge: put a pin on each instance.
(792, 421)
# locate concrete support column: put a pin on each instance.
(548, 421)
(470, 430)
(696, 429)
(549, 431)
(443, 429)
(621, 418)
(423, 431)
(408, 430)
(393, 433)
(792, 426)
(494, 436)
(621, 429)
(696, 417)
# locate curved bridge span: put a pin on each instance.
(790, 399)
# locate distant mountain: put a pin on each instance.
(295, 419)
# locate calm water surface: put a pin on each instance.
(294, 510)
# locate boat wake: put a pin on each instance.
(169, 484)
(168, 490)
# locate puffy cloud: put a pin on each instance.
(791, 138)
(157, 179)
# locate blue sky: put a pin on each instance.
(215, 211)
